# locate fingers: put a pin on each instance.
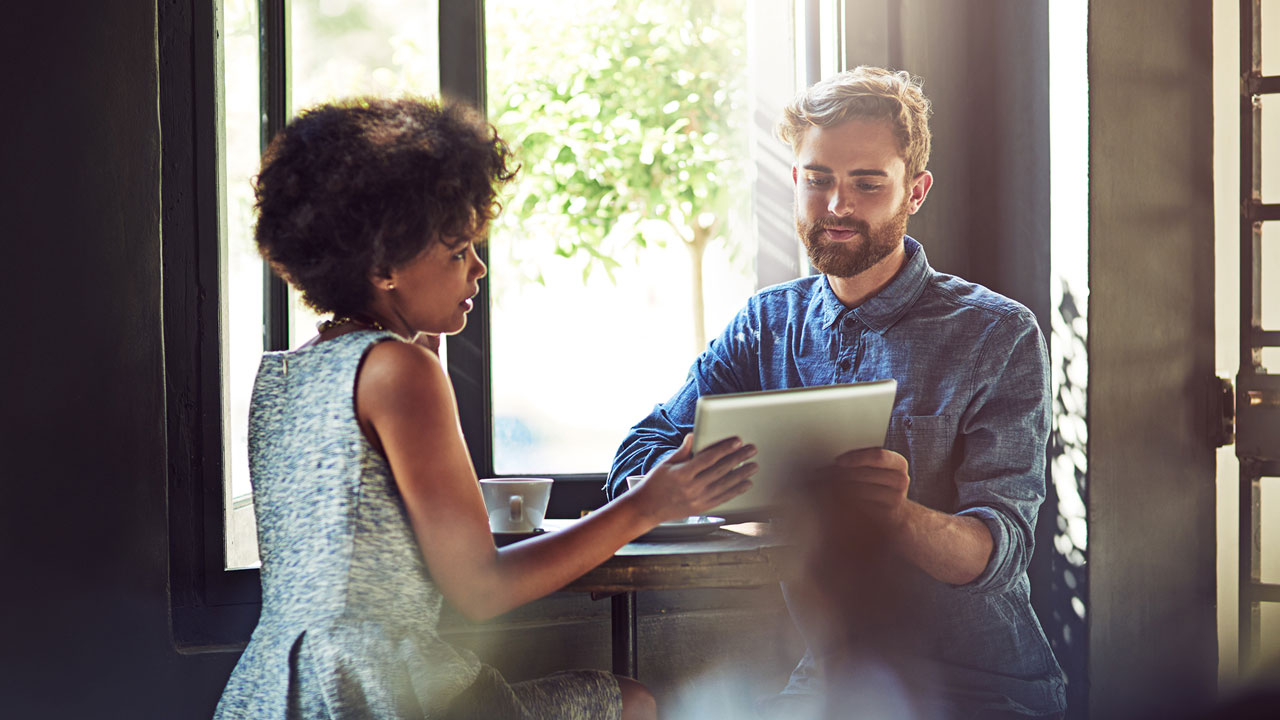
(730, 485)
(729, 493)
(879, 495)
(873, 457)
(732, 477)
(875, 476)
(709, 456)
(837, 485)
(730, 461)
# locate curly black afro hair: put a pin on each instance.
(354, 188)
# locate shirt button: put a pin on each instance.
(845, 364)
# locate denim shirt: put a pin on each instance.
(971, 417)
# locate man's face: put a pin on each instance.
(852, 198)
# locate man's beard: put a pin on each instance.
(849, 259)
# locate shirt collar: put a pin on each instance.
(882, 310)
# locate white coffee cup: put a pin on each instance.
(516, 505)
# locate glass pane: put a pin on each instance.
(1269, 147)
(1269, 629)
(244, 269)
(625, 244)
(1270, 37)
(1271, 361)
(1269, 526)
(1270, 285)
(340, 48)
(1270, 290)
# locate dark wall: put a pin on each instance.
(1152, 636)
(985, 65)
(85, 543)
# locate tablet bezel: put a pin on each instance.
(803, 428)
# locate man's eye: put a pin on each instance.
(819, 181)
(868, 187)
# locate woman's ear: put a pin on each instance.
(383, 280)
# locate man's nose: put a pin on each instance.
(841, 203)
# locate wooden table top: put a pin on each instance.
(742, 555)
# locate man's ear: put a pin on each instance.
(919, 189)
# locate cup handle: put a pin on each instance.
(516, 508)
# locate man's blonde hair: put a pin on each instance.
(865, 93)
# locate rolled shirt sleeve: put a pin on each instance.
(1004, 433)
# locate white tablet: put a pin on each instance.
(795, 431)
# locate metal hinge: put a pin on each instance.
(1222, 413)
(1258, 416)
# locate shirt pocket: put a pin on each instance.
(928, 443)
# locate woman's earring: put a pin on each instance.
(391, 286)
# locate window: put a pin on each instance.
(329, 49)
(235, 70)
(630, 215)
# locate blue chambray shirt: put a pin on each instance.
(971, 416)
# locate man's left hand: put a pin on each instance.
(872, 482)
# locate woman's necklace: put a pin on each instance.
(337, 320)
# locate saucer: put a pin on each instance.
(506, 538)
(693, 526)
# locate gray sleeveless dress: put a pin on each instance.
(349, 610)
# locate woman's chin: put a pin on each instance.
(455, 327)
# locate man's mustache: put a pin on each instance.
(850, 224)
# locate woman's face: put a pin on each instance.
(432, 292)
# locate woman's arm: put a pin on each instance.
(406, 407)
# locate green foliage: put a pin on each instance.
(627, 118)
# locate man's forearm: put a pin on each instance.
(954, 549)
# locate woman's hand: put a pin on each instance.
(686, 484)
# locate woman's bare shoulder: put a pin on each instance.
(396, 375)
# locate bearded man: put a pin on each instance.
(953, 495)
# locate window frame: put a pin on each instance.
(214, 608)
(211, 608)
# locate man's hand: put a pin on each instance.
(873, 483)
(862, 500)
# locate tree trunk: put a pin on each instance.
(697, 248)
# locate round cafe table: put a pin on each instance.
(735, 556)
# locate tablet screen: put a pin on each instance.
(795, 431)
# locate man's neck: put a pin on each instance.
(853, 291)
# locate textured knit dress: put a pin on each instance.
(349, 610)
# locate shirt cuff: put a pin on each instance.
(995, 576)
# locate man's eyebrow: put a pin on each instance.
(859, 172)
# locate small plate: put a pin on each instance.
(689, 527)
(506, 538)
